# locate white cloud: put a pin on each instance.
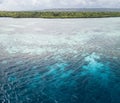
(42, 4)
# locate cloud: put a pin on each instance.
(1, 1)
(43, 4)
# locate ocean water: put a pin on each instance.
(60, 60)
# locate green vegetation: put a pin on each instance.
(58, 14)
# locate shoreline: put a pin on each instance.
(58, 18)
(58, 15)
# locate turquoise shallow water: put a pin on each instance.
(60, 60)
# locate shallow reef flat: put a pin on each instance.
(60, 60)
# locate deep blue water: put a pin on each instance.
(87, 71)
(86, 79)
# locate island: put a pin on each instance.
(59, 14)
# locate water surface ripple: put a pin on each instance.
(60, 60)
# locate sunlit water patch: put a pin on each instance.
(60, 61)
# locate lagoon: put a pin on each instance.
(60, 60)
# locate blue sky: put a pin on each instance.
(43, 4)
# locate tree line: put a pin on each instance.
(49, 14)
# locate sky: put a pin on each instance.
(46, 4)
